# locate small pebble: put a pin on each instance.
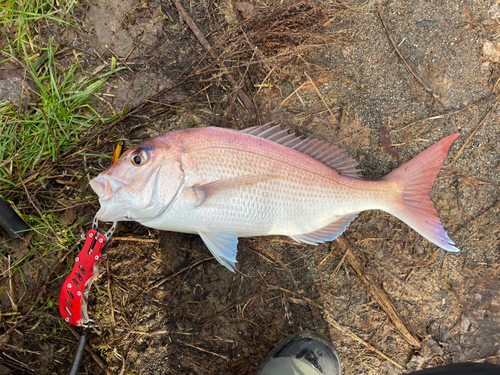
(426, 23)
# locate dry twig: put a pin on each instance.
(320, 96)
(347, 332)
(247, 102)
(338, 265)
(144, 67)
(226, 310)
(442, 115)
(137, 239)
(153, 333)
(292, 94)
(264, 81)
(110, 295)
(36, 207)
(203, 350)
(330, 320)
(401, 56)
(379, 295)
(475, 131)
(16, 363)
(158, 283)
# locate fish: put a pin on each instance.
(223, 184)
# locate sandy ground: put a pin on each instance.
(387, 298)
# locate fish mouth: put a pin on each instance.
(105, 187)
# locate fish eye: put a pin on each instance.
(140, 158)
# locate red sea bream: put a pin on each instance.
(224, 184)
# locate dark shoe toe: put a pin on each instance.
(303, 350)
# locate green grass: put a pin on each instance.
(19, 17)
(55, 123)
(40, 141)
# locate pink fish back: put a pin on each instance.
(203, 140)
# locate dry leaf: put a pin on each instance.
(246, 9)
(384, 137)
(491, 51)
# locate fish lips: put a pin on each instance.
(106, 187)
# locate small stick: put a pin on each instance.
(36, 207)
(344, 330)
(227, 309)
(110, 296)
(204, 42)
(419, 79)
(320, 96)
(67, 207)
(299, 296)
(154, 333)
(97, 359)
(292, 94)
(261, 255)
(328, 256)
(342, 119)
(136, 239)
(19, 363)
(475, 131)
(158, 283)
(485, 358)
(10, 293)
(495, 85)
(284, 266)
(466, 225)
(331, 321)
(383, 300)
(203, 350)
(118, 58)
(263, 81)
(379, 295)
(443, 115)
(21, 350)
(144, 67)
(338, 265)
(305, 255)
(426, 263)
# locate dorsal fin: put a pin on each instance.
(331, 155)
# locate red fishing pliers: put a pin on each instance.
(73, 298)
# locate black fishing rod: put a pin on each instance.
(11, 221)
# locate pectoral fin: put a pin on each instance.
(223, 246)
(226, 188)
(328, 233)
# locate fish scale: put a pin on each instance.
(224, 184)
(273, 204)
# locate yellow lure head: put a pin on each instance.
(118, 151)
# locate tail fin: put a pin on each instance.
(416, 179)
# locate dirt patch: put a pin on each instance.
(166, 307)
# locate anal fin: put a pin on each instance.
(328, 233)
(223, 246)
